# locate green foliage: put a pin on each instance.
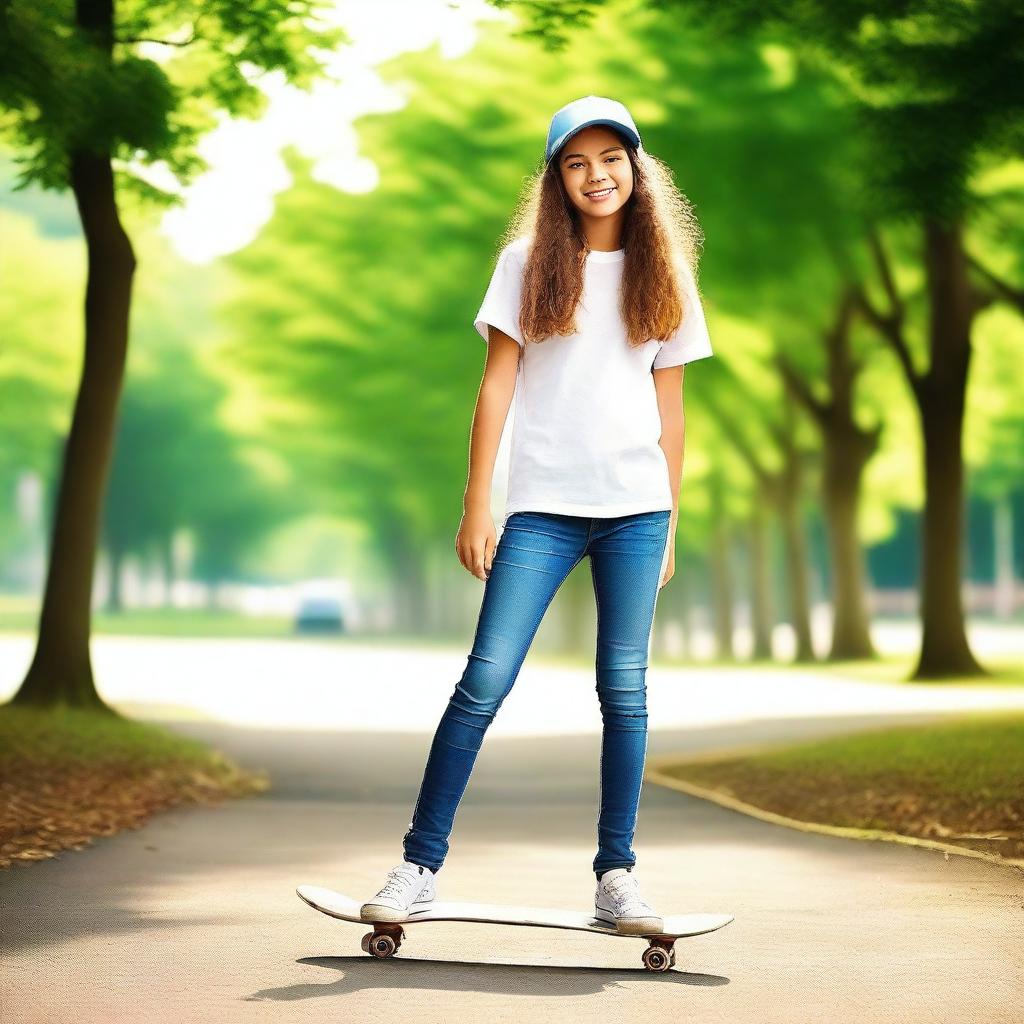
(176, 465)
(179, 460)
(354, 311)
(37, 307)
(39, 314)
(345, 327)
(65, 87)
(929, 79)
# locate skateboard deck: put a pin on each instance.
(387, 936)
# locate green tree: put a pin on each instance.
(351, 305)
(76, 97)
(929, 81)
(177, 466)
(36, 358)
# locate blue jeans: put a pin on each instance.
(535, 553)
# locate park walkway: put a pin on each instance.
(194, 917)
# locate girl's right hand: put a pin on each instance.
(476, 541)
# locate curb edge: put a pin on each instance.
(653, 774)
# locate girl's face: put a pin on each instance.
(596, 171)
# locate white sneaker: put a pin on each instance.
(618, 901)
(409, 888)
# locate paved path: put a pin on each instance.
(323, 684)
(194, 917)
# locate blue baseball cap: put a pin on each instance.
(582, 113)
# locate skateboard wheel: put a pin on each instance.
(657, 959)
(382, 945)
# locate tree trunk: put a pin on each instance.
(410, 584)
(944, 648)
(846, 452)
(1003, 605)
(760, 582)
(721, 574)
(167, 563)
(115, 558)
(941, 394)
(846, 448)
(796, 551)
(684, 607)
(671, 611)
(61, 670)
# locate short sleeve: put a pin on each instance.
(500, 306)
(691, 341)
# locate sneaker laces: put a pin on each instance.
(621, 890)
(394, 882)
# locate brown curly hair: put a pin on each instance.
(660, 234)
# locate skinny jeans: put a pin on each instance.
(535, 553)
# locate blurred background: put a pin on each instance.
(290, 445)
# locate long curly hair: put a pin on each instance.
(660, 234)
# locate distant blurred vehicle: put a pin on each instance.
(319, 615)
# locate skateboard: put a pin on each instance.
(387, 936)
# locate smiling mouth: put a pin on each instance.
(600, 191)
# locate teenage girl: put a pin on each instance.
(592, 310)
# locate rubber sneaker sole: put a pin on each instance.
(631, 925)
(382, 912)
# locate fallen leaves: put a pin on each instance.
(893, 803)
(52, 801)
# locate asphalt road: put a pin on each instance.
(194, 917)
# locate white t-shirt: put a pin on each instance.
(586, 428)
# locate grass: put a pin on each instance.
(183, 622)
(67, 776)
(960, 781)
(895, 668)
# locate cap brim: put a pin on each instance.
(566, 136)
